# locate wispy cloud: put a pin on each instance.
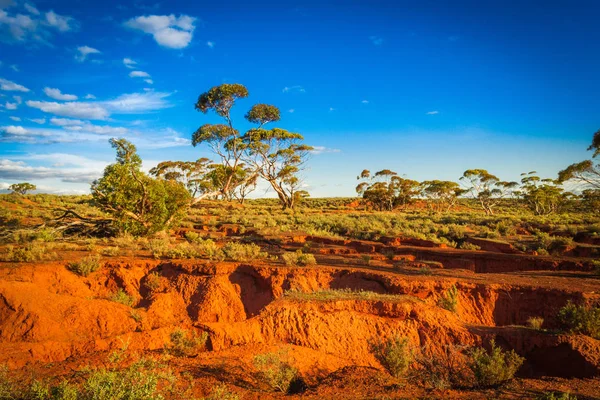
(39, 121)
(291, 110)
(432, 112)
(167, 30)
(365, 102)
(129, 63)
(33, 26)
(84, 52)
(10, 86)
(139, 74)
(295, 88)
(376, 40)
(17, 119)
(56, 94)
(323, 150)
(210, 44)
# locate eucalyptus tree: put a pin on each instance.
(22, 188)
(542, 196)
(487, 188)
(385, 190)
(441, 195)
(275, 155)
(194, 175)
(136, 202)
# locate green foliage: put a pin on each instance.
(65, 391)
(535, 323)
(557, 396)
(441, 195)
(86, 265)
(394, 354)
(385, 190)
(237, 251)
(581, 319)
(494, 367)
(276, 372)
(186, 344)
(120, 296)
(22, 188)
(449, 300)
(8, 390)
(487, 188)
(33, 251)
(298, 259)
(139, 204)
(222, 392)
(542, 196)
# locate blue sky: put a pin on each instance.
(425, 88)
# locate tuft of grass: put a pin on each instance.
(449, 300)
(120, 296)
(86, 265)
(222, 392)
(556, 396)
(298, 259)
(394, 354)
(152, 281)
(535, 323)
(33, 251)
(186, 344)
(236, 251)
(276, 372)
(494, 367)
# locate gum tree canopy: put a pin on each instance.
(22, 188)
(275, 155)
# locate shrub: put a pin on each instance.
(192, 236)
(152, 281)
(111, 251)
(556, 396)
(581, 319)
(366, 259)
(31, 252)
(274, 371)
(469, 246)
(535, 323)
(243, 252)
(86, 265)
(120, 296)
(184, 343)
(65, 391)
(424, 271)
(441, 370)
(222, 392)
(449, 301)
(38, 391)
(596, 266)
(182, 250)
(298, 259)
(159, 247)
(394, 354)
(8, 389)
(494, 367)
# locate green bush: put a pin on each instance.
(278, 374)
(298, 259)
(535, 323)
(449, 300)
(86, 265)
(394, 354)
(494, 367)
(222, 392)
(65, 391)
(184, 343)
(581, 319)
(8, 389)
(31, 252)
(556, 396)
(120, 296)
(243, 252)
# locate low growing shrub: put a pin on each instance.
(449, 300)
(394, 354)
(222, 392)
(298, 259)
(186, 344)
(535, 323)
(243, 252)
(120, 296)
(86, 265)
(276, 372)
(581, 319)
(494, 367)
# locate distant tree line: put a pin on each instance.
(385, 190)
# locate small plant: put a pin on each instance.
(64, 391)
(596, 267)
(137, 317)
(120, 296)
(274, 371)
(159, 247)
(441, 370)
(243, 252)
(38, 391)
(394, 354)
(152, 281)
(192, 236)
(424, 271)
(366, 259)
(111, 251)
(186, 344)
(449, 300)
(494, 367)
(535, 323)
(581, 319)
(298, 259)
(469, 246)
(86, 265)
(8, 389)
(222, 392)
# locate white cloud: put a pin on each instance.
(84, 51)
(210, 44)
(296, 88)
(365, 101)
(79, 170)
(376, 40)
(149, 81)
(331, 109)
(31, 9)
(65, 121)
(139, 74)
(15, 118)
(14, 130)
(18, 99)
(9, 86)
(291, 110)
(167, 30)
(15, 68)
(323, 150)
(60, 22)
(11, 106)
(57, 95)
(39, 121)
(82, 126)
(432, 112)
(71, 109)
(133, 103)
(90, 96)
(129, 63)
